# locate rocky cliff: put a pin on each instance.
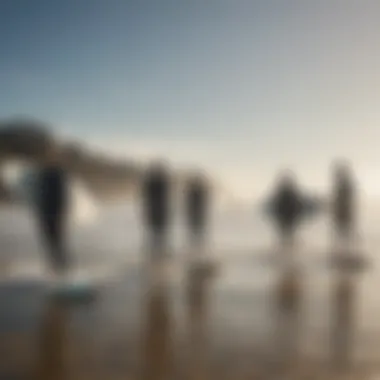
(29, 140)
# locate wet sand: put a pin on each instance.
(150, 322)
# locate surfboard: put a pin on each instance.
(81, 284)
(75, 291)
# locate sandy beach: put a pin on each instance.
(152, 322)
(250, 316)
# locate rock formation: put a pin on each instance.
(27, 140)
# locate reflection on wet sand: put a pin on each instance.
(159, 359)
(342, 319)
(158, 331)
(288, 319)
(157, 339)
(198, 301)
(53, 345)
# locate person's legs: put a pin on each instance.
(53, 228)
(59, 239)
(158, 241)
(287, 244)
(197, 237)
(286, 235)
(344, 236)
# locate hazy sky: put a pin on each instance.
(243, 87)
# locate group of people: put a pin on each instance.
(53, 205)
(157, 205)
(288, 207)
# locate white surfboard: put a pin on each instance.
(83, 283)
(74, 289)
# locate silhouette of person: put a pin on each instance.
(52, 209)
(156, 199)
(197, 203)
(286, 207)
(343, 201)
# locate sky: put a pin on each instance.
(243, 88)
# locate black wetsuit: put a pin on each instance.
(287, 209)
(52, 210)
(344, 217)
(156, 196)
(197, 209)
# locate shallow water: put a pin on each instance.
(242, 244)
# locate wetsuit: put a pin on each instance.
(197, 208)
(286, 209)
(156, 195)
(343, 208)
(52, 209)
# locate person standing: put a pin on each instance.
(343, 206)
(156, 189)
(286, 208)
(197, 208)
(52, 207)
